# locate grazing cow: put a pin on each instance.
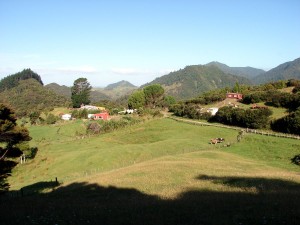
(217, 140)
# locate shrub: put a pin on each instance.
(296, 159)
(51, 119)
(288, 124)
(256, 119)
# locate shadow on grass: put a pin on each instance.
(261, 185)
(39, 187)
(278, 202)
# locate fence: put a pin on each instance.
(274, 134)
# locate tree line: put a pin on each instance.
(269, 93)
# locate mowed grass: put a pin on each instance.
(159, 172)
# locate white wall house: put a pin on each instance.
(66, 117)
(213, 111)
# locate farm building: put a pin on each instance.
(101, 116)
(213, 111)
(234, 95)
(66, 117)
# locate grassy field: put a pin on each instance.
(157, 172)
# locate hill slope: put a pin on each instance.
(193, 80)
(285, 71)
(248, 72)
(31, 96)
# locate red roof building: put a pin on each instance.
(101, 116)
(234, 95)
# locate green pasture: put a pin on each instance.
(157, 172)
(66, 154)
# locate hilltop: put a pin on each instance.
(12, 81)
(121, 84)
(193, 80)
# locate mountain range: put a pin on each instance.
(182, 84)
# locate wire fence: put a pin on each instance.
(248, 130)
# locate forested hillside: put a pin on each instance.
(285, 71)
(31, 96)
(193, 80)
(13, 80)
(248, 72)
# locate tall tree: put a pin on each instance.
(81, 92)
(136, 100)
(153, 94)
(10, 136)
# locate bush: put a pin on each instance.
(250, 118)
(296, 160)
(51, 119)
(288, 124)
(102, 126)
(80, 114)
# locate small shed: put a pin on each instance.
(101, 116)
(66, 117)
(234, 95)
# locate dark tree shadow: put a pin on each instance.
(39, 187)
(276, 202)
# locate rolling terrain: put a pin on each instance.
(157, 172)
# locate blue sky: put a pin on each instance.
(139, 40)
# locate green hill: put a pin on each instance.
(31, 96)
(13, 80)
(248, 72)
(193, 80)
(285, 71)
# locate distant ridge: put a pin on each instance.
(59, 89)
(193, 80)
(285, 71)
(123, 84)
(248, 72)
(65, 91)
